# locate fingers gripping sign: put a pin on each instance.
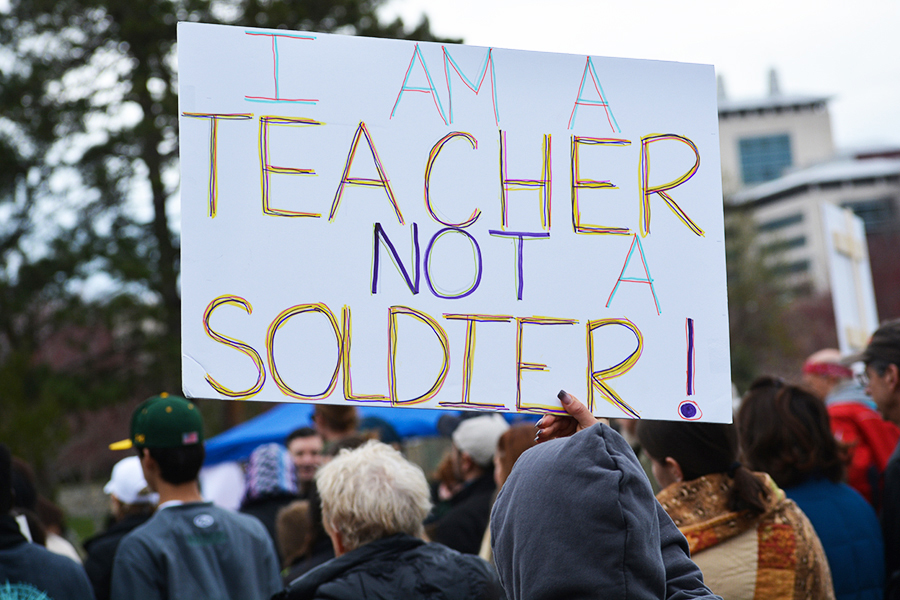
(553, 426)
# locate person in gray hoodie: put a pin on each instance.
(577, 519)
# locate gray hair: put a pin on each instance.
(372, 492)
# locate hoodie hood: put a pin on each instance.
(577, 518)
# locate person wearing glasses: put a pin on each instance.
(855, 422)
(881, 379)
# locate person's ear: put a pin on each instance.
(674, 469)
(337, 541)
(149, 466)
(892, 376)
(115, 506)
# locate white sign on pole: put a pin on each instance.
(852, 293)
(445, 226)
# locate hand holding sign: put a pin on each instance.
(553, 426)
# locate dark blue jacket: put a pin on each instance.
(29, 568)
(890, 525)
(850, 534)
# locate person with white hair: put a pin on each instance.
(463, 524)
(373, 505)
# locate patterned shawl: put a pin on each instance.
(791, 561)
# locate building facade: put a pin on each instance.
(761, 140)
(788, 214)
(779, 167)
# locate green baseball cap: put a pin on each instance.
(164, 421)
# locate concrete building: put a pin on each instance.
(779, 166)
(762, 139)
(788, 213)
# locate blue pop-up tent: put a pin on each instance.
(275, 424)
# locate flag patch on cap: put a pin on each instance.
(164, 421)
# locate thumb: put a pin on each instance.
(574, 407)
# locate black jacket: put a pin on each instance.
(399, 566)
(101, 550)
(266, 510)
(462, 526)
(322, 551)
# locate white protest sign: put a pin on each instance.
(852, 293)
(445, 226)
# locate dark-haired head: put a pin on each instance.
(702, 449)
(699, 448)
(178, 465)
(784, 430)
(351, 442)
(341, 420)
(302, 432)
(24, 483)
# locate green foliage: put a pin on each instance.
(88, 179)
(31, 416)
(757, 305)
(82, 527)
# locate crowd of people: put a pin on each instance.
(799, 498)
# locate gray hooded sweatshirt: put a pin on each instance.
(577, 519)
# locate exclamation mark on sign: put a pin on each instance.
(689, 410)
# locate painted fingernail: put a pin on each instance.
(539, 423)
(538, 434)
(564, 397)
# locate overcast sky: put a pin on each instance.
(845, 50)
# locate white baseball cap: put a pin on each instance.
(478, 437)
(127, 483)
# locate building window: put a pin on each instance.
(776, 224)
(764, 158)
(784, 245)
(791, 268)
(876, 214)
